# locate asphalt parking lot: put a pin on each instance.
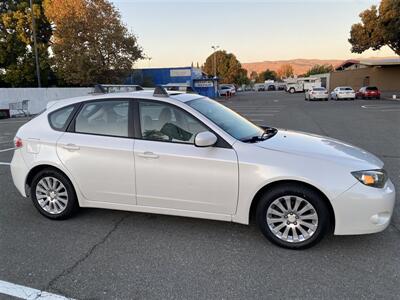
(103, 254)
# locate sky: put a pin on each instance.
(178, 32)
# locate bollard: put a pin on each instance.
(394, 97)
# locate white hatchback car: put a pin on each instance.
(188, 155)
(343, 92)
(317, 93)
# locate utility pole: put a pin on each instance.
(35, 46)
(215, 60)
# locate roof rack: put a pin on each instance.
(116, 88)
(160, 91)
(99, 89)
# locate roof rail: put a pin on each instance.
(160, 91)
(99, 89)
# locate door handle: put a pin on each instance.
(71, 147)
(148, 154)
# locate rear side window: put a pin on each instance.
(104, 118)
(58, 119)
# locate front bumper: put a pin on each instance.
(363, 209)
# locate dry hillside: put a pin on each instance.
(300, 66)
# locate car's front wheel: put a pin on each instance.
(293, 216)
(53, 194)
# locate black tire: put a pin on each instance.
(313, 197)
(72, 203)
(291, 90)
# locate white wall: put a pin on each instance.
(39, 97)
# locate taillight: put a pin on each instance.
(18, 142)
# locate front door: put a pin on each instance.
(171, 172)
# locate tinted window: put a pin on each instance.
(163, 122)
(372, 88)
(346, 89)
(318, 89)
(104, 118)
(59, 118)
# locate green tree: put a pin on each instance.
(242, 77)
(285, 71)
(378, 28)
(319, 69)
(90, 43)
(17, 60)
(268, 75)
(229, 68)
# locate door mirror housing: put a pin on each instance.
(205, 139)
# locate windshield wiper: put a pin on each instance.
(268, 133)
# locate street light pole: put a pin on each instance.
(35, 46)
(215, 60)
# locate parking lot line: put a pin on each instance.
(13, 122)
(4, 164)
(24, 292)
(258, 114)
(5, 150)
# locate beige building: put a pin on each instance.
(382, 73)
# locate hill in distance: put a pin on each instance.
(300, 66)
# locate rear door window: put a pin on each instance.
(108, 118)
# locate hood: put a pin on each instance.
(316, 146)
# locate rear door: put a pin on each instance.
(98, 151)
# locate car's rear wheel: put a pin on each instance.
(293, 216)
(53, 195)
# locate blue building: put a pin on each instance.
(194, 77)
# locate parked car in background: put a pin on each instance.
(317, 93)
(226, 90)
(188, 155)
(259, 87)
(231, 85)
(343, 92)
(368, 92)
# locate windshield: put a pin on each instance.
(226, 119)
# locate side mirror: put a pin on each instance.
(205, 139)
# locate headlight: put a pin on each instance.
(374, 178)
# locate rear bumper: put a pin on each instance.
(349, 96)
(363, 209)
(19, 171)
(317, 97)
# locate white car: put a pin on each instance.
(187, 155)
(225, 90)
(343, 92)
(317, 93)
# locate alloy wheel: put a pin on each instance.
(51, 195)
(292, 219)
